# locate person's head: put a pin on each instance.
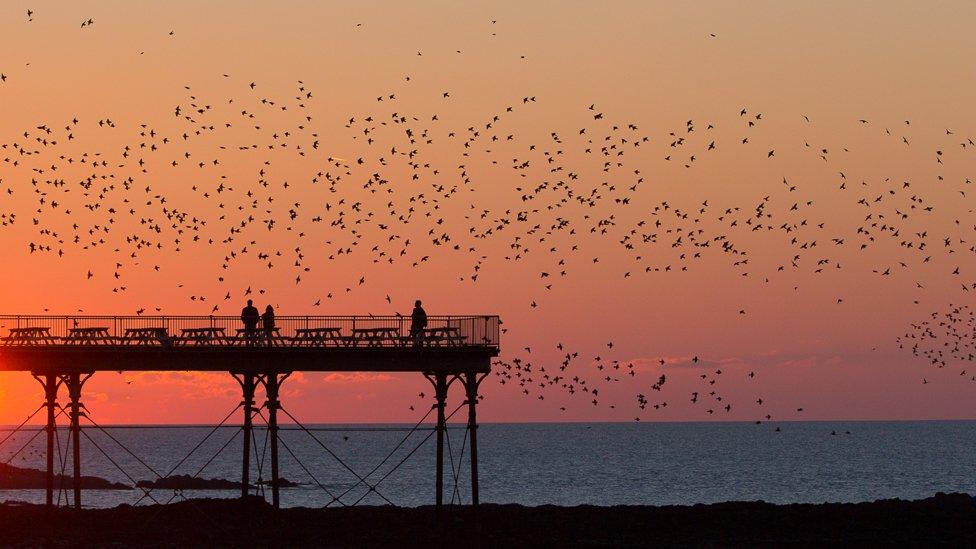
(250, 302)
(269, 309)
(416, 303)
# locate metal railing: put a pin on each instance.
(313, 331)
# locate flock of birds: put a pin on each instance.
(946, 339)
(248, 178)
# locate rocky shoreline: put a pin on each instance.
(18, 478)
(945, 519)
(186, 482)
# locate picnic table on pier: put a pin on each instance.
(316, 337)
(90, 335)
(211, 335)
(448, 335)
(376, 337)
(147, 336)
(259, 337)
(32, 335)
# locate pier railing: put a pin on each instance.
(298, 331)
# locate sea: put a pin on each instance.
(529, 464)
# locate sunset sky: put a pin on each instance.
(857, 160)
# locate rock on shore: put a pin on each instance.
(17, 478)
(186, 482)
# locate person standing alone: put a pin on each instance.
(418, 322)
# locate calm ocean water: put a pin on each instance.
(563, 464)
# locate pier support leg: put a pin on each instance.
(272, 384)
(471, 382)
(247, 385)
(440, 393)
(75, 382)
(51, 401)
(51, 383)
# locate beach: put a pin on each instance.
(944, 519)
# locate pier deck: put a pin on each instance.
(65, 351)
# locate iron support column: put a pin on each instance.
(471, 382)
(440, 393)
(51, 401)
(271, 388)
(74, 394)
(247, 384)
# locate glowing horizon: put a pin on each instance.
(853, 118)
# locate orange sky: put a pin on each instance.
(812, 70)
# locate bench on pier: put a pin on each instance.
(376, 337)
(33, 335)
(258, 337)
(319, 337)
(147, 336)
(95, 335)
(449, 336)
(211, 335)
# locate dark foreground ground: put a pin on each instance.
(947, 520)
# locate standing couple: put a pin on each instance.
(250, 318)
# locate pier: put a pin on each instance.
(63, 352)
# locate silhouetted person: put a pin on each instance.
(418, 321)
(250, 318)
(268, 323)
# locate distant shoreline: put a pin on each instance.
(460, 423)
(941, 519)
